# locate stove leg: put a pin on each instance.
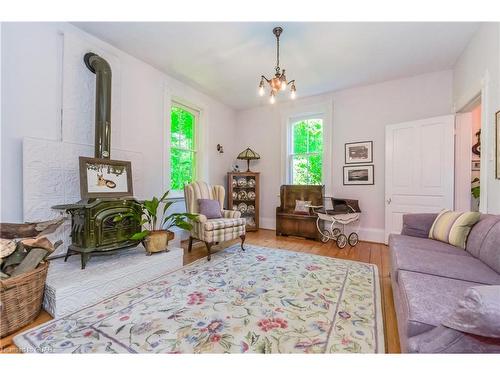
(84, 258)
(68, 254)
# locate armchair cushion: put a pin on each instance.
(216, 224)
(210, 208)
(231, 214)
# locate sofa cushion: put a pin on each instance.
(453, 227)
(418, 225)
(442, 264)
(427, 299)
(398, 241)
(478, 312)
(479, 232)
(490, 249)
(446, 340)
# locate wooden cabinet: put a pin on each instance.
(244, 196)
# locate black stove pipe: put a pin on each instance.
(102, 70)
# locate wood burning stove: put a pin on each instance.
(93, 229)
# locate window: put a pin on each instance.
(182, 146)
(306, 152)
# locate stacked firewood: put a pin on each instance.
(24, 246)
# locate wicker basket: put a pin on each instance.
(21, 299)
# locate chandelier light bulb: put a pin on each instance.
(272, 99)
(261, 90)
(283, 85)
(292, 94)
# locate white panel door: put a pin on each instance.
(419, 169)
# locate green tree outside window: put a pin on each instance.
(307, 152)
(182, 147)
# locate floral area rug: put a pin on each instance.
(259, 301)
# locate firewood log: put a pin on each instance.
(14, 259)
(11, 230)
(7, 247)
(38, 242)
(30, 262)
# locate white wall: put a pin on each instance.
(478, 70)
(359, 114)
(32, 82)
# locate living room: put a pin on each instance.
(250, 187)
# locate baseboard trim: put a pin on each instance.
(375, 235)
(267, 223)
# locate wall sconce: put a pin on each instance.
(220, 149)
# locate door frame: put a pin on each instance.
(463, 159)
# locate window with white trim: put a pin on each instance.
(305, 159)
(183, 145)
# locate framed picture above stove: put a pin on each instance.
(359, 152)
(100, 178)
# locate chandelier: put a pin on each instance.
(278, 82)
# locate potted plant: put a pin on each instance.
(156, 234)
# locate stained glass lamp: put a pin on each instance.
(248, 155)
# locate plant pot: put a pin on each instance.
(157, 241)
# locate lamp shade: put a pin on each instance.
(248, 154)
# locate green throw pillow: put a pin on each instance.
(453, 227)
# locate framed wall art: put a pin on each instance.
(359, 152)
(101, 178)
(359, 175)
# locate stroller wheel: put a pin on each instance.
(353, 239)
(336, 232)
(326, 237)
(341, 241)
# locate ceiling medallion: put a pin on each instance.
(278, 82)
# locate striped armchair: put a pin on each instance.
(212, 231)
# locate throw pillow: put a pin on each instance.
(478, 312)
(301, 207)
(453, 227)
(210, 208)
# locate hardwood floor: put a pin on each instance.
(365, 252)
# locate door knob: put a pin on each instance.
(389, 201)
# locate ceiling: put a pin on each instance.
(226, 60)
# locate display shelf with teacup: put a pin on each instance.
(243, 196)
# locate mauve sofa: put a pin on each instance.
(430, 277)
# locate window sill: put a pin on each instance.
(176, 196)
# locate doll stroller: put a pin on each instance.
(345, 211)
